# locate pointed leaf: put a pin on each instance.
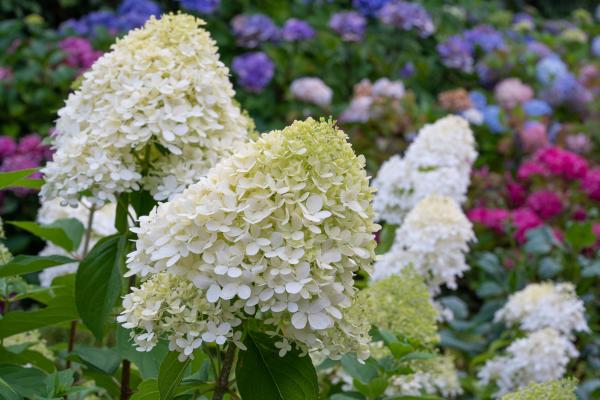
(65, 233)
(170, 375)
(8, 179)
(26, 264)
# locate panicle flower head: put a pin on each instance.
(438, 162)
(545, 305)
(276, 231)
(540, 357)
(430, 377)
(350, 25)
(295, 30)
(457, 53)
(312, 90)
(563, 389)
(250, 30)
(254, 70)
(407, 16)
(433, 239)
(401, 304)
(173, 98)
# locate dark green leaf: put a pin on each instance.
(103, 359)
(148, 362)
(374, 388)
(549, 267)
(8, 179)
(147, 390)
(170, 375)
(418, 355)
(98, 282)
(7, 393)
(121, 213)
(488, 289)
(24, 381)
(26, 264)
(263, 375)
(580, 236)
(65, 233)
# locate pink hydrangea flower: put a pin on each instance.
(533, 136)
(578, 143)
(493, 218)
(524, 219)
(511, 92)
(531, 168)
(79, 52)
(5, 74)
(8, 146)
(591, 183)
(545, 203)
(562, 162)
(579, 214)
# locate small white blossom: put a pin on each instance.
(438, 162)
(312, 90)
(545, 305)
(540, 357)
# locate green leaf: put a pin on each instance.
(549, 267)
(170, 375)
(147, 390)
(24, 381)
(592, 270)
(65, 233)
(263, 375)
(61, 308)
(26, 264)
(28, 183)
(363, 372)
(148, 362)
(10, 355)
(374, 388)
(418, 355)
(580, 236)
(121, 224)
(98, 282)
(7, 393)
(103, 359)
(8, 179)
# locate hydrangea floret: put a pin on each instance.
(156, 112)
(274, 232)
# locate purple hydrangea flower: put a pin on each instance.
(250, 30)
(456, 52)
(549, 68)
(8, 146)
(369, 7)
(407, 16)
(408, 70)
(485, 37)
(79, 52)
(90, 23)
(350, 25)
(254, 70)
(539, 49)
(201, 6)
(523, 18)
(566, 89)
(536, 108)
(134, 13)
(296, 29)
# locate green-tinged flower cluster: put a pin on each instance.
(563, 389)
(433, 376)
(401, 304)
(276, 231)
(33, 339)
(156, 112)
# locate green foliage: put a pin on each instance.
(65, 233)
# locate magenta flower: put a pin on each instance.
(545, 203)
(523, 220)
(562, 163)
(531, 168)
(493, 218)
(591, 183)
(516, 194)
(79, 53)
(8, 146)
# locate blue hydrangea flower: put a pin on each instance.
(549, 68)
(566, 89)
(539, 49)
(537, 108)
(254, 70)
(408, 70)
(369, 7)
(296, 29)
(478, 99)
(134, 13)
(350, 25)
(492, 117)
(596, 46)
(407, 16)
(485, 37)
(201, 6)
(456, 53)
(90, 23)
(250, 30)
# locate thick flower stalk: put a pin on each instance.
(438, 162)
(433, 239)
(102, 225)
(156, 112)
(563, 389)
(545, 305)
(540, 357)
(276, 232)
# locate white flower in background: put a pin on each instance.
(473, 115)
(545, 305)
(438, 162)
(359, 110)
(540, 357)
(159, 97)
(563, 389)
(431, 377)
(383, 87)
(102, 225)
(312, 90)
(433, 239)
(279, 228)
(34, 341)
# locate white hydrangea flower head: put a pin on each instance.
(160, 97)
(431, 377)
(312, 90)
(434, 239)
(102, 225)
(540, 357)
(279, 228)
(439, 161)
(545, 305)
(383, 87)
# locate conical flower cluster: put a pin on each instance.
(438, 162)
(156, 112)
(276, 232)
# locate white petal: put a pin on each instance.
(299, 320)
